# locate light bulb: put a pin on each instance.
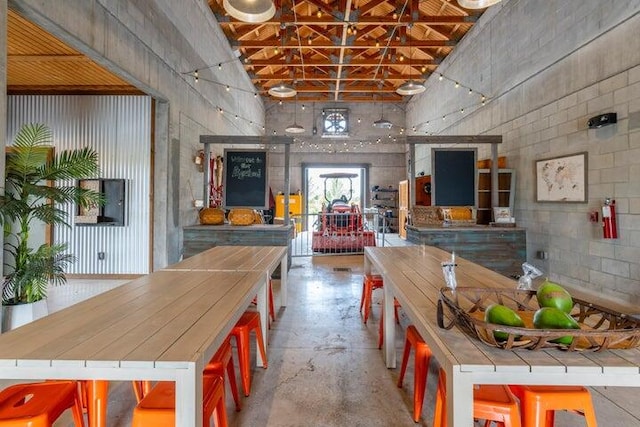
(457, 85)
(220, 66)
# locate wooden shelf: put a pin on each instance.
(506, 190)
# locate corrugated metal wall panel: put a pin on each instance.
(119, 128)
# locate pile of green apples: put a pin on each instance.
(555, 305)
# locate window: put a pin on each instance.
(335, 122)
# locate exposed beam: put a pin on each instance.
(369, 44)
(327, 63)
(329, 20)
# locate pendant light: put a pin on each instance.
(410, 87)
(282, 89)
(382, 123)
(295, 127)
(477, 4)
(250, 10)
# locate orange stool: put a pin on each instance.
(39, 404)
(157, 409)
(141, 389)
(369, 284)
(272, 310)
(396, 305)
(221, 360)
(538, 403)
(421, 368)
(250, 321)
(492, 403)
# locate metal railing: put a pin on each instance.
(338, 233)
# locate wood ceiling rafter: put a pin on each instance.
(350, 46)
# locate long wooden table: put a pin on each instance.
(243, 258)
(413, 275)
(163, 326)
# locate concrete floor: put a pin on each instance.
(325, 368)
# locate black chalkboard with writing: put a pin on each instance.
(245, 179)
(454, 177)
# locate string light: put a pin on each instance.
(457, 85)
(319, 13)
(219, 66)
(440, 77)
(195, 74)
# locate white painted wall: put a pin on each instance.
(547, 68)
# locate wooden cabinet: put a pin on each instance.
(403, 208)
(506, 190)
(386, 202)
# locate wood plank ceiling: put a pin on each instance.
(347, 50)
(39, 63)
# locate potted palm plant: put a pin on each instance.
(35, 191)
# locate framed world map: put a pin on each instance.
(562, 179)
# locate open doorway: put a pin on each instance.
(314, 186)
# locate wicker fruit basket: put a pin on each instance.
(211, 216)
(242, 216)
(600, 328)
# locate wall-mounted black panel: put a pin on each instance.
(113, 212)
(454, 176)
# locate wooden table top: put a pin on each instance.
(167, 318)
(415, 273)
(236, 258)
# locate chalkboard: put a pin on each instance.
(245, 179)
(454, 176)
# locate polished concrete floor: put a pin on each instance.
(324, 365)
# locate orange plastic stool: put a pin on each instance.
(421, 368)
(39, 404)
(272, 310)
(396, 306)
(216, 366)
(538, 403)
(157, 409)
(141, 389)
(492, 403)
(250, 321)
(369, 284)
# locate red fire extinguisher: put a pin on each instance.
(609, 219)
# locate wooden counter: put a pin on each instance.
(501, 249)
(198, 238)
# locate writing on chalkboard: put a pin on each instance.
(245, 179)
(245, 167)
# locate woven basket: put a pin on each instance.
(600, 327)
(211, 216)
(242, 216)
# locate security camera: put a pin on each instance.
(602, 120)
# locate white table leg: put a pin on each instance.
(459, 399)
(189, 397)
(284, 266)
(263, 309)
(389, 327)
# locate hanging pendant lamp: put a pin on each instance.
(250, 10)
(410, 87)
(295, 127)
(382, 123)
(477, 4)
(283, 90)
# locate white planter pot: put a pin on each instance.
(14, 316)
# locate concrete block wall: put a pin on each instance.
(153, 44)
(380, 148)
(547, 68)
